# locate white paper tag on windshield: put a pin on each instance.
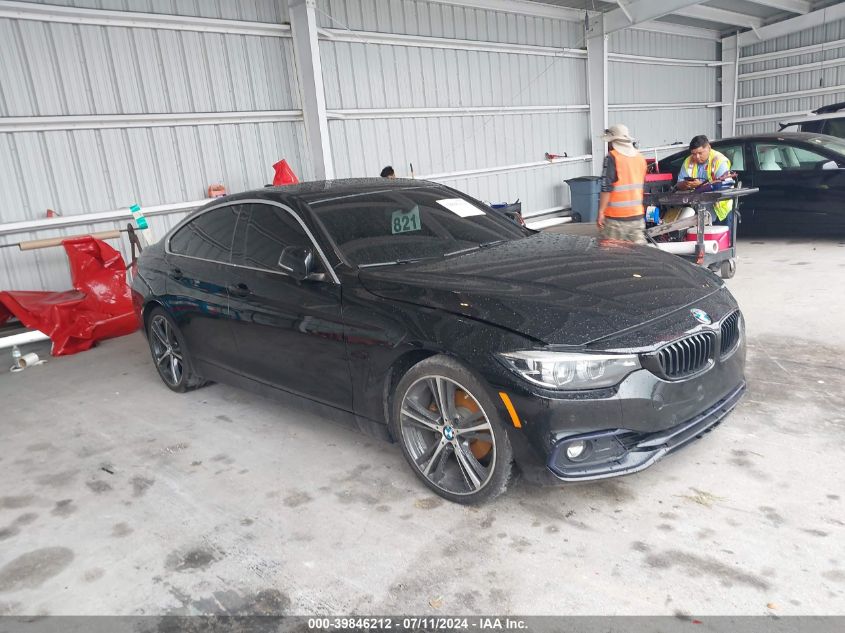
(460, 207)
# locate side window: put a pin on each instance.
(209, 236)
(780, 156)
(734, 154)
(269, 230)
(835, 127)
(812, 126)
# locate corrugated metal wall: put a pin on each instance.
(420, 17)
(374, 93)
(651, 83)
(52, 69)
(360, 75)
(824, 69)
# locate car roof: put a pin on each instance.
(325, 189)
(803, 137)
(813, 117)
(772, 136)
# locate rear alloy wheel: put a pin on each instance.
(169, 353)
(449, 432)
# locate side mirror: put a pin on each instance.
(831, 164)
(297, 261)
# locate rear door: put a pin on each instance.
(289, 332)
(797, 189)
(198, 267)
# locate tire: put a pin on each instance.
(170, 354)
(728, 269)
(469, 460)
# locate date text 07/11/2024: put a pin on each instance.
(415, 623)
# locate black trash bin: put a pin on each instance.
(584, 193)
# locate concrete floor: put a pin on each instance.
(120, 497)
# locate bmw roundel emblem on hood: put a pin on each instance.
(701, 316)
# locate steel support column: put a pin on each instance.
(730, 55)
(597, 88)
(303, 21)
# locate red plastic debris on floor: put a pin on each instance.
(284, 174)
(99, 306)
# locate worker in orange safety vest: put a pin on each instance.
(621, 211)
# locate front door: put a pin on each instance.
(289, 332)
(198, 273)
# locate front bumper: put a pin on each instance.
(636, 451)
(629, 427)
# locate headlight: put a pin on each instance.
(562, 370)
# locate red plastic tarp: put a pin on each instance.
(98, 307)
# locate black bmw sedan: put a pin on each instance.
(413, 312)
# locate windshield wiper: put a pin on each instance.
(475, 248)
(396, 261)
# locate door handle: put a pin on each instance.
(175, 273)
(240, 290)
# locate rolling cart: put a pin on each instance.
(723, 261)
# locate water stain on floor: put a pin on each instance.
(40, 446)
(701, 565)
(120, 530)
(296, 499)
(63, 508)
(191, 559)
(98, 486)
(140, 485)
(57, 480)
(12, 503)
(92, 575)
(262, 603)
(772, 516)
(33, 569)
(26, 518)
(8, 532)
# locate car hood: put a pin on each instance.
(556, 289)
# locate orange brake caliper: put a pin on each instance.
(479, 448)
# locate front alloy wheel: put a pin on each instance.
(447, 427)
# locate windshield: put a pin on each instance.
(401, 225)
(830, 142)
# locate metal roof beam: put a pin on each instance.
(642, 11)
(658, 26)
(793, 25)
(793, 6)
(521, 7)
(712, 14)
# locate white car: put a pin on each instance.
(829, 119)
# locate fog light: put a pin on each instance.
(576, 450)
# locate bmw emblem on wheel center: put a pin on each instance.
(449, 433)
(701, 316)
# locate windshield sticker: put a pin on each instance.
(460, 207)
(402, 221)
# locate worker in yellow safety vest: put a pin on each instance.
(621, 212)
(705, 164)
